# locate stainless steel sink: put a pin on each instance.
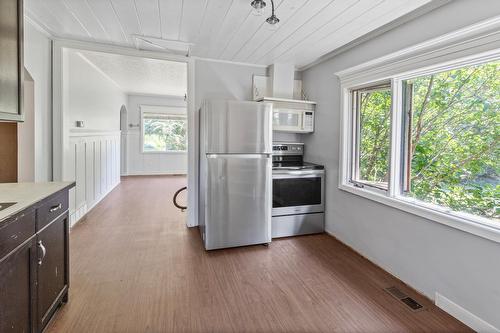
(4, 205)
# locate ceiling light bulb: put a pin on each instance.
(272, 27)
(273, 20)
(258, 7)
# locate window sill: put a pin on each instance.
(449, 219)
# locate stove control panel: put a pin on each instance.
(281, 148)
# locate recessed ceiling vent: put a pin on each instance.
(402, 297)
(165, 45)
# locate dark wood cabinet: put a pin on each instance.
(52, 273)
(17, 285)
(34, 264)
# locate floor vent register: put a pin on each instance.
(402, 297)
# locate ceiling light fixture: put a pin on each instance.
(258, 7)
(273, 19)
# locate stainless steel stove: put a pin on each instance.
(298, 192)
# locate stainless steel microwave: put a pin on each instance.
(293, 120)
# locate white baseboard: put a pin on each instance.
(74, 217)
(463, 315)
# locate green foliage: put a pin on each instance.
(455, 139)
(165, 134)
(375, 111)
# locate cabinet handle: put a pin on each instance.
(55, 208)
(44, 252)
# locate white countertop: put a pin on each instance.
(27, 194)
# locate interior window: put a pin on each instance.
(164, 132)
(371, 137)
(452, 139)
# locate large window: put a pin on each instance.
(164, 132)
(452, 141)
(437, 147)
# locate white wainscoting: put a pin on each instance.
(94, 158)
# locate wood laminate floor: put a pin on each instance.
(135, 267)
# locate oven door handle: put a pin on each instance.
(299, 173)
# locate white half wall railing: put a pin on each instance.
(93, 162)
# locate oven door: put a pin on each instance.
(298, 192)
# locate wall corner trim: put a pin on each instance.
(38, 26)
(463, 315)
(99, 70)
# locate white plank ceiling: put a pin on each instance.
(223, 29)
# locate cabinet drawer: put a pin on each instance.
(16, 230)
(51, 208)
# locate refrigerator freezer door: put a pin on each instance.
(234, 127)
(238, 200)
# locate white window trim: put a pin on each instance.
(475, 44)
(178, 114)
(355, 139)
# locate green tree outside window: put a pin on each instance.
(164, 133)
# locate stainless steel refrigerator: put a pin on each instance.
(235, 173)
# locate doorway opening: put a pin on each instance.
(119, 113)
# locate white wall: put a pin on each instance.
(139, 163)
(92, 156)
(90, 95)
(216, 80)
(38, 62)
(427, 255)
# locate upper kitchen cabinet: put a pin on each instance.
(11, 60)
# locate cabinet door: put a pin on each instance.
(17, 285)
(52, 278)
(11, 59)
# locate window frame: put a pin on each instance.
(163, 113)
(356, 135)
(395, 197)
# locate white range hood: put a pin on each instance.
(281, 79)
(280, 85)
